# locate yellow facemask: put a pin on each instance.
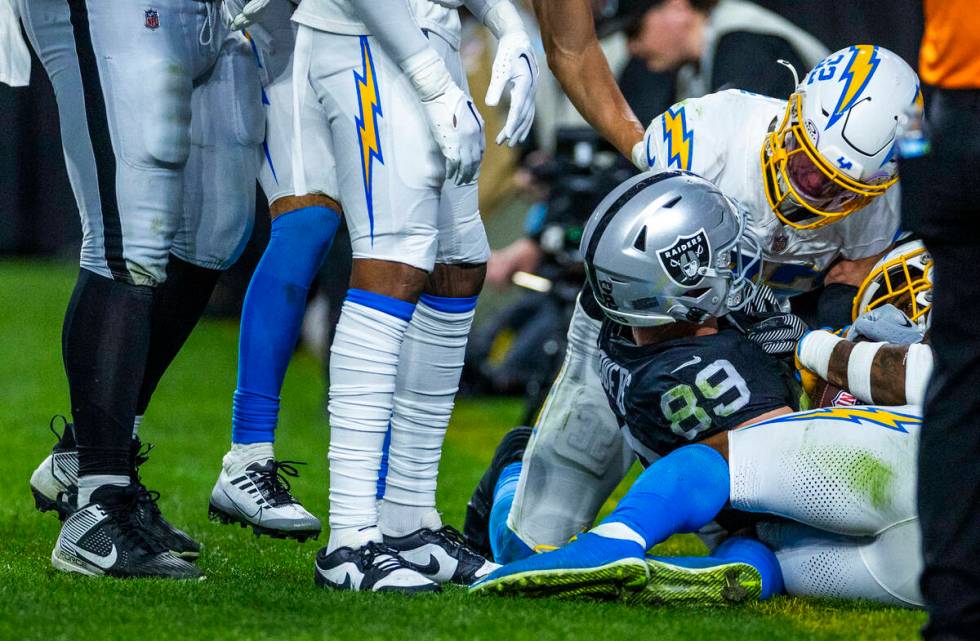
(900, 283)
(796, 176)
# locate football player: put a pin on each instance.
(162, 168)
(304, 205)
(675, 372)
(408, 141)
(816, 176)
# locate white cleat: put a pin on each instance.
(256, 493)
(372, 568)
(54, 483)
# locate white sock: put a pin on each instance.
(352, 537)
(136, 424)
(91, 482)
(363, 367)
(244, 454)
(430, 364)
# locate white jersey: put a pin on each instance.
(719, 137)
(339, 16)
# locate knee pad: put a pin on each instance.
(576, 458)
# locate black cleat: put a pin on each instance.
(148, 512)
(441, 555)
(372, 568)
(477, 522)
(105, 538)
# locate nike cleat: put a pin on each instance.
(477, 523)
(590, 566)
(148, 512)
(372, 568)
(256, 493)
(105, 538)
(54, 483)
(698, 581)
(441, 555)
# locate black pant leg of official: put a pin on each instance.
(941, 202)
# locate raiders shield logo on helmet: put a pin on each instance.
(683, 260)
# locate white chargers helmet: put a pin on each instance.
(903, 278)
(669, 246)
(833, 152)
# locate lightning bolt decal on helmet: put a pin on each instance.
(833, 151)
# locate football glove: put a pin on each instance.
(514, 68)
(240, 14)
(454, 121)
(889, 325)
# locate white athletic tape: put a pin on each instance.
(918, 369)
(815, 350)
(859, 370)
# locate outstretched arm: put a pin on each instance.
(576, 59)
(878, 373)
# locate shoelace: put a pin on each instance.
(457, 542)
(135, 533)
(381, 557)
(274, 485)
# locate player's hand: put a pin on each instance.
(457, 128)
(889, 325)
(778, 334)
(240, 14)
(516, 69)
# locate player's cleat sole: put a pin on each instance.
(674, 584)
(46, 504)
(609, 581)
(217, 515)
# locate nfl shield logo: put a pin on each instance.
(684, 259)
(151, 19)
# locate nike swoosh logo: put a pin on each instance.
(234, 503)
(346, 585)
(693, 361)
(432, 567)
(104, 562)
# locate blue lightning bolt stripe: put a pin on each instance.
(859, 415)
(862, 65)
(368, 135)
(679, 139)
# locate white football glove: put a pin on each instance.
(454, 121)
(514, 68)
(887, 324)
(240, 14)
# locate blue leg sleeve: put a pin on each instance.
(506, 546)
(756, 554)
(272, 315)
(681, 492)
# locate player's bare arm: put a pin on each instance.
(877, 373)
(576, 59)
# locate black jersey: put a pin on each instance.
(676, 392)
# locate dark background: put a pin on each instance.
(38, 216)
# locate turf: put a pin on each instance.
(262, 588)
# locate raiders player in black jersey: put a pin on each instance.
(665, 251)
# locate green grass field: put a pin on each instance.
(262, 588)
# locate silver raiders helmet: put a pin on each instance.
(669, 246)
